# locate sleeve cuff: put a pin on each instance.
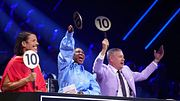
(155, 63)
(101, 56)
(69, 34)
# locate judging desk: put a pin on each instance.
(65, 97)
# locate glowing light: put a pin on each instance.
(154, 38)
(141, 18)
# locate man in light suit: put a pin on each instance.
(108, 75)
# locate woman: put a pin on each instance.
(17, 77)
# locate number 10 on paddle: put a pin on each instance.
(103, 24)
(31, 59)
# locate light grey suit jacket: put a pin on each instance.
(108, 81)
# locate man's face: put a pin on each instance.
(117, 59)
(31, 43)
(79, 56)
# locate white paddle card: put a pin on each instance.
(31, 59)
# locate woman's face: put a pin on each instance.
(31, 43)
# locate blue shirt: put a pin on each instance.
(70, 72)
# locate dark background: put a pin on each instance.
(49, 20)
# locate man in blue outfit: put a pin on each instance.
(72, 77)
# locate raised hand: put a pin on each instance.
(159, 54)
(70, 28)
(105, 45)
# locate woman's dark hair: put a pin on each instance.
(18, 49)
